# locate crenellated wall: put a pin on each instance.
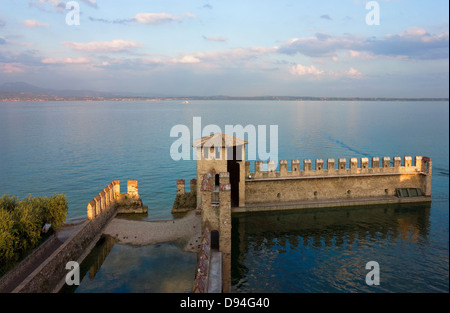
(110, 197)
(331, 180)
(341, 167)
(104, 201)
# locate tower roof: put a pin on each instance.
(219, 140)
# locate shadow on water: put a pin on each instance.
(119, 268)
(325, 250)
(93, 262)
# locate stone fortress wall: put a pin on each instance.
(334, 183)
(110, 197)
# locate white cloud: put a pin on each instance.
(58, 5)
(155, 18)
(312, 71)
(160, 18)
(301, 70)
(81, 60)
(187, 59)
(34, 23)
(234, 55)
(102, 46)
(11, 68)
(189, 15)
(352, 73)
(215, 38)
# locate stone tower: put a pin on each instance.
(222, 153)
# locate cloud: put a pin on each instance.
(155, 18)
(42, 5)
(213, 38)
(92, 3)
(187, 59)
(34, 23)
(81, 60)
(160, 18)
(27, 57)
(116, 21)
(58, 5)
(363, 55)
(352, 73)
(414, 43)
(207, 6)
(102, 46)
(320, 45)
(11, 68)
(235, 54)
(312, 71)
(326, 17)
(208, 60)
(2, 41)
(301, 70)
(189, 15)
(2, 22)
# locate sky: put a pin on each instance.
(319, 48)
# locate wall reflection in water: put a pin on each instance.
(118, 268)
(325, 250)
(99, 255)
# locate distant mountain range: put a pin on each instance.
(21, 91)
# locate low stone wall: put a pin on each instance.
(53, 270)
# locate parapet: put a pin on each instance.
(110, 197)
(103, 202)
(352, 166)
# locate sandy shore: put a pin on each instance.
(185, 231)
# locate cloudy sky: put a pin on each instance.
(233, 47)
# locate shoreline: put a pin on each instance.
(184, 231)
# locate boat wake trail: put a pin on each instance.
(345, 146)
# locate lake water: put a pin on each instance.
(78, 148)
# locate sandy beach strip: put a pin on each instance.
(185, 231)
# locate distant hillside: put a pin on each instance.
(25, 91)
(20, 91)
(25, 88)
(22, 87)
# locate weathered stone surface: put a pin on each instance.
(127, 205)
(184, 202)
(330, 188)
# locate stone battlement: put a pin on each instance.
(110, 197)
(353, 166)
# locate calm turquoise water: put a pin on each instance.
(78, 148)
(117, 268)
